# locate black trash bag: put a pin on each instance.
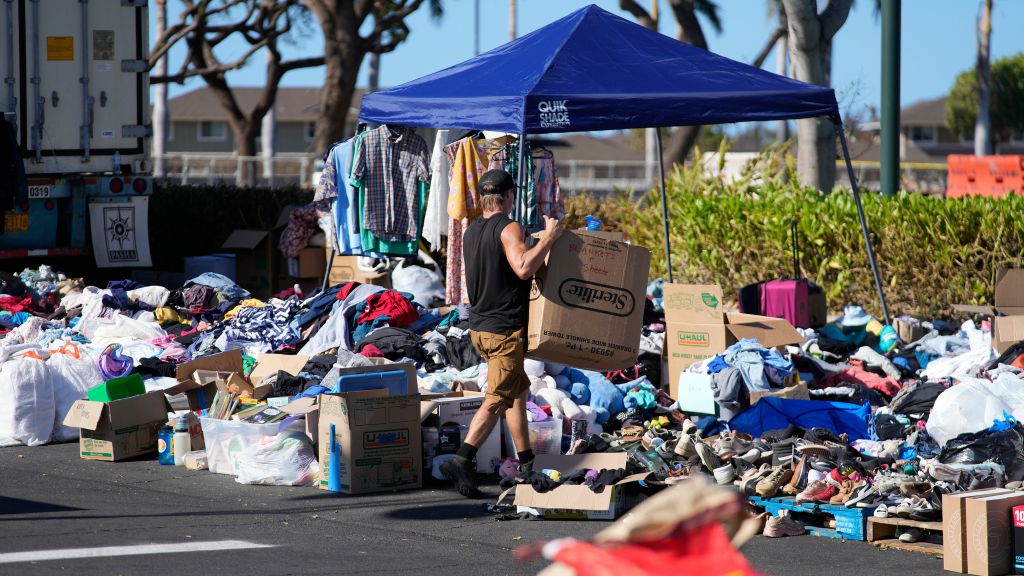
(1005, 448)
(11, 285)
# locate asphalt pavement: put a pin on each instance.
(57, 510)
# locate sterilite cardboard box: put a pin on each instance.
(988, 529)
(380, 437)
(458, 408)
(569, 502)
(587, 303)
(113, 431)
(954, 544)
(696, 327)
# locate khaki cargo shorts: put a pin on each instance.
(504, 353)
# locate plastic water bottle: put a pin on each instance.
(182, 442)
(117, 162)
(593, 223)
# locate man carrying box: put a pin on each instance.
(498, 272)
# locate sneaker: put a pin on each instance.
(943, 472)
(798, 480)
(903, 509)
(815, 450)
(782, 525)
(922, 510)
(725, 474)
(816, 476)
(770, 486)
(752, 456)
(742, 467)
(708, 457)
(864, 497)
(689, 427)
(835, 478)
(846, 491)
(685, 448)
(727, 446)
(910, 535)
(819, 491)
(882, 511)
(463, 477)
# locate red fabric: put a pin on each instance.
(856, 374)
(1019, 362)
(13, 304)
(371, 351)
(704, 551)
(346, 290)
(389, 303)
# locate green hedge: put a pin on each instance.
(932, 252)
(196, 220)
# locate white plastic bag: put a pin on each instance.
(425, 284)
(73, 372)
(26, 401)
(973, 405)
(283, 460)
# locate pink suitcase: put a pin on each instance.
(787, 299)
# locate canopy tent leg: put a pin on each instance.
(664, 206)
(327, 274)
(863, 224)
(521, 185)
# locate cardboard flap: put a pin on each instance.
(1010, 288)
(230, 361)
(244, 239)
(770, 332)
(1011, 310)
(300, 406)
(429, 404)
(693, 303)
(149, 407)
(1009, 330)
(267, 364)
(84, 414)
(182, 387)
(968, 309)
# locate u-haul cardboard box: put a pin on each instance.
(587, 304)
(113, 431)
(697, 327)
(380, 437)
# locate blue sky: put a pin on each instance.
(938, 43)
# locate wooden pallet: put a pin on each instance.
(820, 519)
(882, 533)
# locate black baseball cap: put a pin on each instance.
(495, 181)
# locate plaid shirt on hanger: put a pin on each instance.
(391, 161)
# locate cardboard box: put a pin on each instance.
(796, 392)
(569, 502)
(310, 263)
(1007, 329)
(254, 260)
(954, 535)
(113, 431)
(380, 439)
(909, 329)
(230, 361)
(267, 364)
(345, 269)
(697, 327)
(309, 407)
(459, 408)
(587, 304)
(988, 533)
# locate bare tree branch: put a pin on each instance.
(772, 40)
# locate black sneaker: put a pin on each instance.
(463, 477)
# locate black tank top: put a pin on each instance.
(499, 300)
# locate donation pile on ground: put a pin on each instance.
(881, 421)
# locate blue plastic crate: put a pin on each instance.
(851, 523)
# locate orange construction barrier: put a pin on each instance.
(993, 176)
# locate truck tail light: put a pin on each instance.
(116, 185)
(139, 185)
(48, 204)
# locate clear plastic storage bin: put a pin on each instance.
(225, 440)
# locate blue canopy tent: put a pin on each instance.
(593, 70)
